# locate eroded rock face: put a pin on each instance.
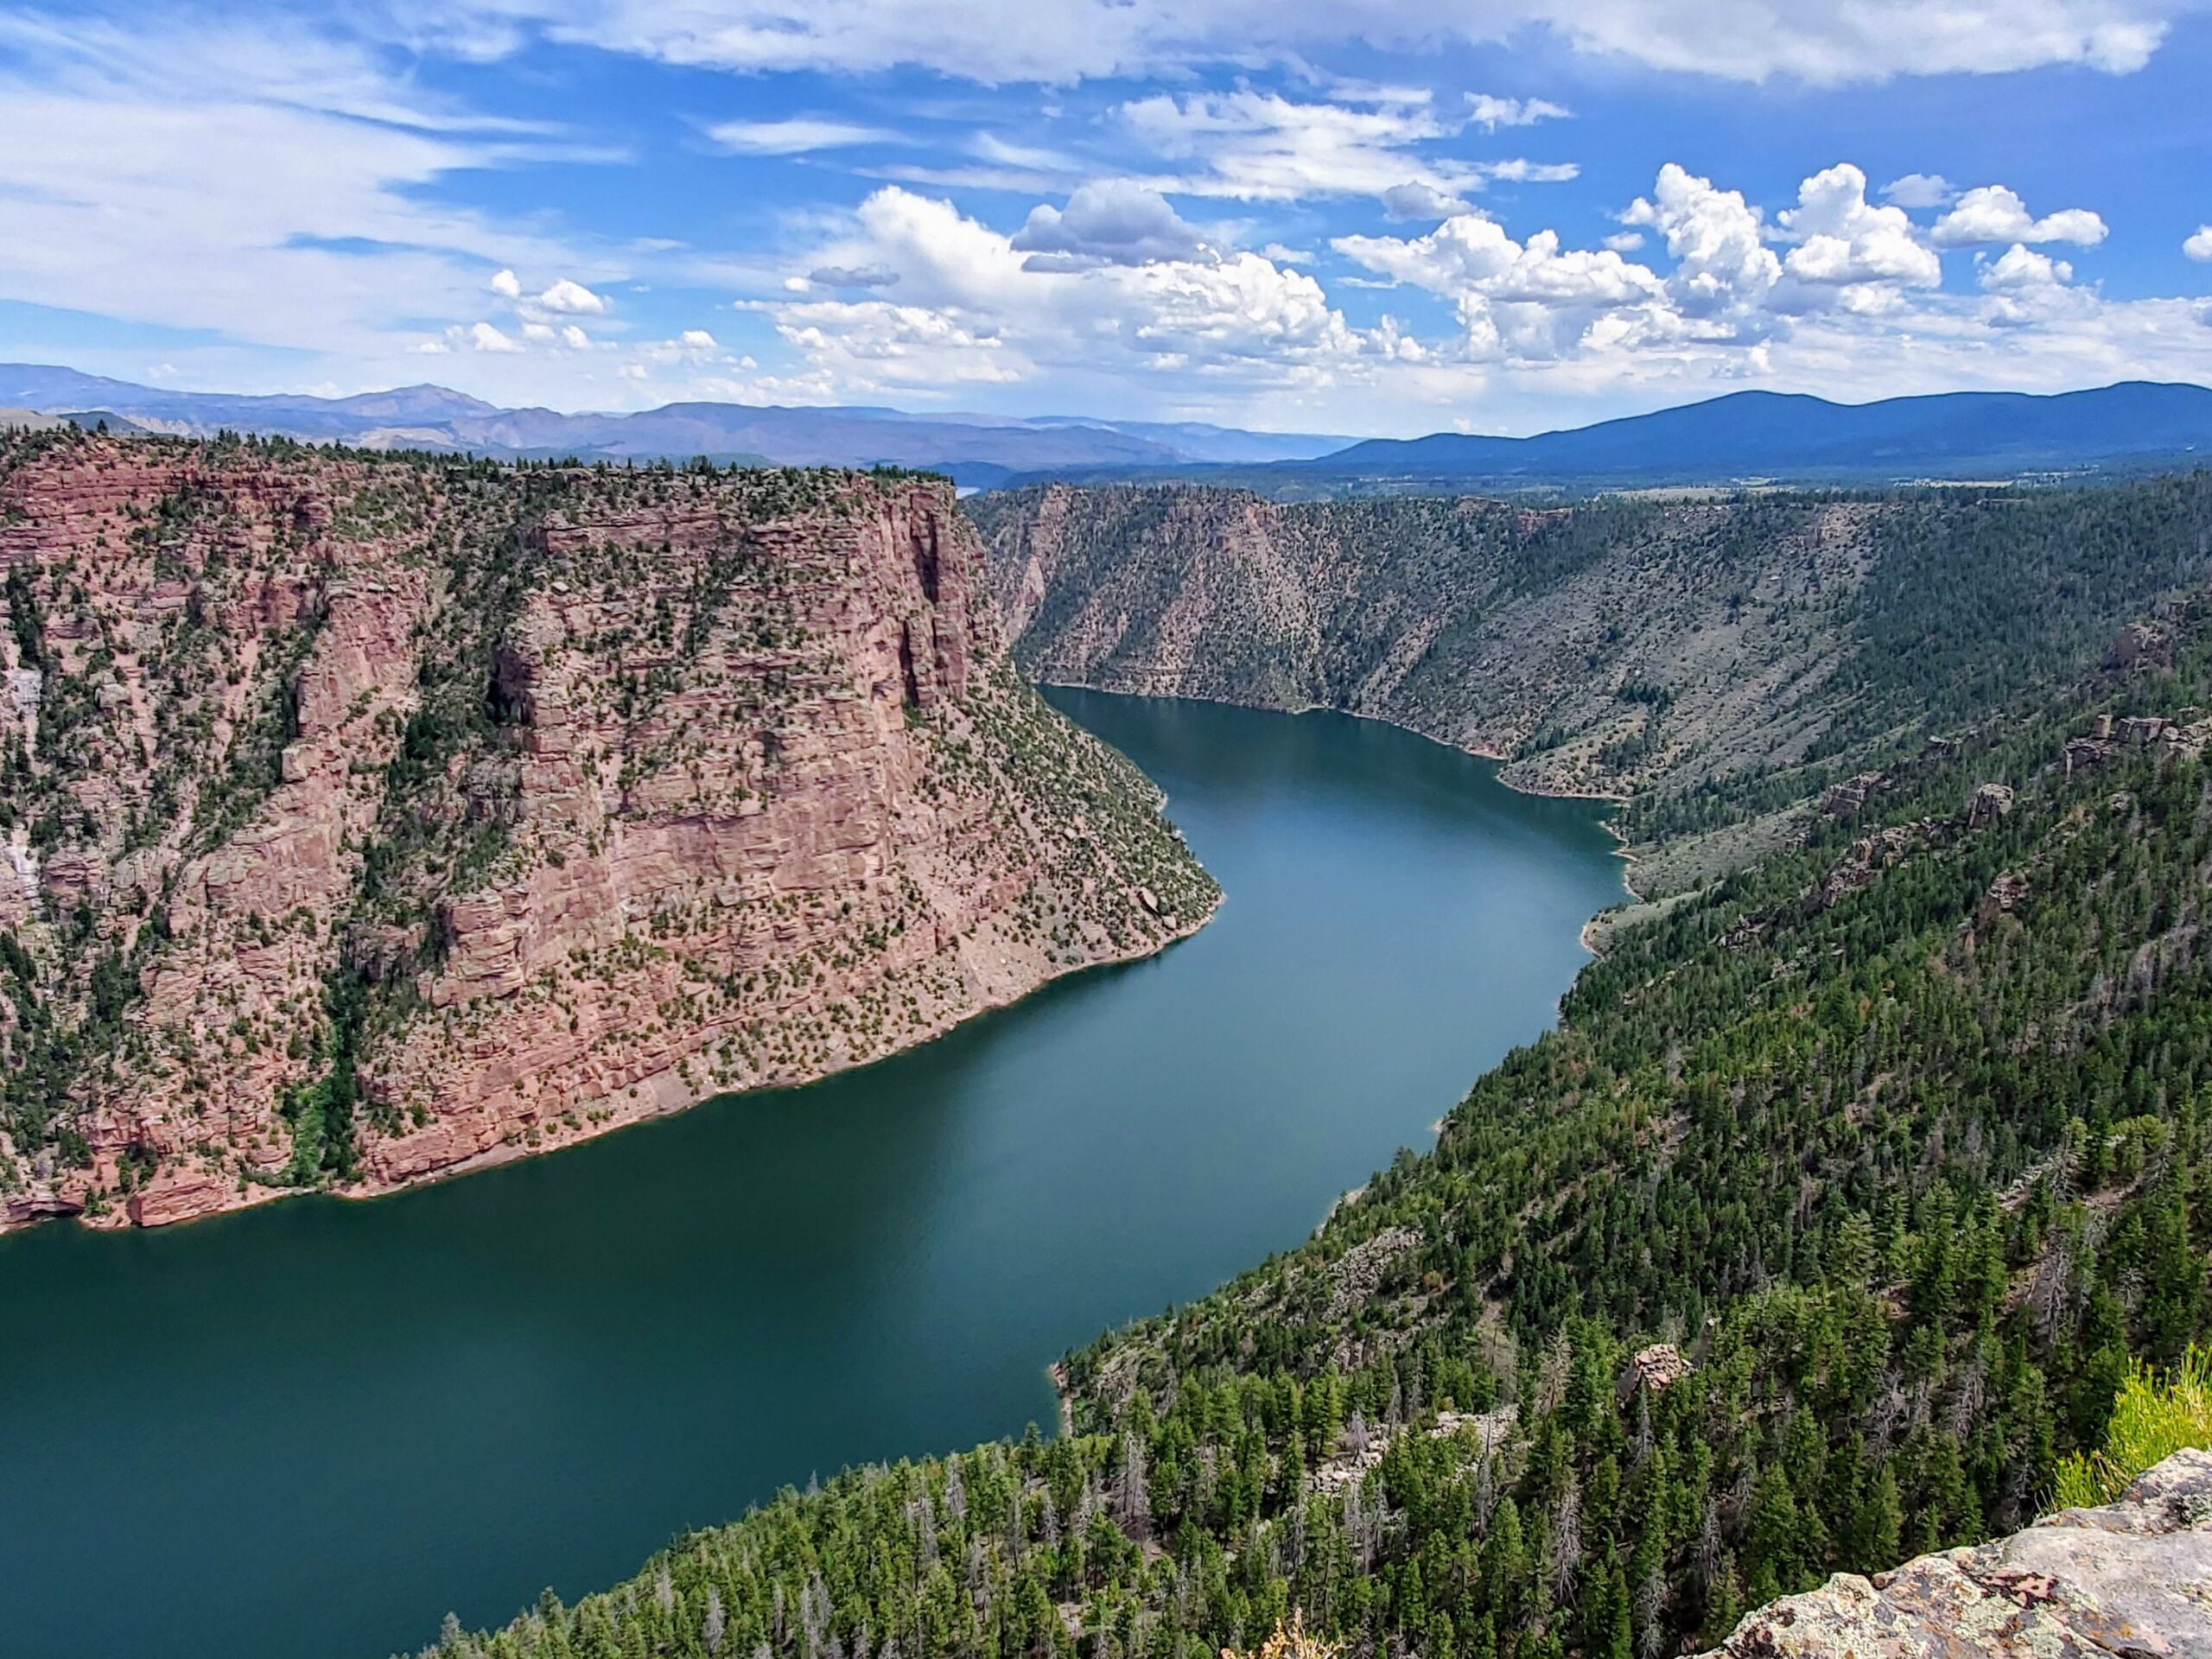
(1599, 667)
(2133, 1579)
(377, 817)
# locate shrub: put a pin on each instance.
(2152, 1419)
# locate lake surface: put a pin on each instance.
(313, 1428)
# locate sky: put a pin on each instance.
(1391, 218)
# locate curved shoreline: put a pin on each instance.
(1622, 848)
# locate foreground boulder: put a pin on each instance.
(2133, 1577)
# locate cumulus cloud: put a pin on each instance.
(506, 286)
(1724, 270)
(1845, 241)
(1527, 300)
(1110, 222)
(2199, 246)
(484, 337)
(693, 348)
(2019, 268)
(1736, 280)
(571, 299)
(2025, 289)
(1090, 288)
(1993, 214)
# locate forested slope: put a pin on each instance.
(1714, 662)
(1826, 1221)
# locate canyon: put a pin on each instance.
(369, 819)
(1713, 661)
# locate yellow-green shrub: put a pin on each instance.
(2153, 1418)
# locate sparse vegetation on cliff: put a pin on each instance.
(372, 814)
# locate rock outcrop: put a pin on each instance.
(371, 817)
(2131, 1578)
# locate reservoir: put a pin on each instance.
(313, 1428)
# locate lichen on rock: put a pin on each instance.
(2133, 1577)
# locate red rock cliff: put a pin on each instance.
(368, 818)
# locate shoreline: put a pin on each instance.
(1064, 1392)
(118, 1219)
(1623, 848)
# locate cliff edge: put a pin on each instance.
(2133, 1577)
(370, 817)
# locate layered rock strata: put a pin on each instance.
(367, 818)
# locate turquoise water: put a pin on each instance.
(315, 1428)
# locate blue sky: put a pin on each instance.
(1401, 217)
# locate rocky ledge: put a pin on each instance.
(369, 817)
(2132, 1578)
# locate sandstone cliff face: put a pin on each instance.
(368, 818)
(2134, 1577)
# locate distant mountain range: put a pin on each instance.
(975, 449)
(1747, 437)
(1751, 436)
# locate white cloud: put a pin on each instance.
(1111, 222)
(2025, 289)
(1522, 171)
(693, 348)
(977, 306)
(1491, 113)
(1724, 270)
(121, 156)
(2199, 246)
(485, 337)
(2019, 268)
(1624, 241)
(1261, 146)
(571, 299)
(1920, 190)
(797, 135)
(1994, 214)
(1845, 241)
(1825, 42)
(506, 286)
(1528, 300)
